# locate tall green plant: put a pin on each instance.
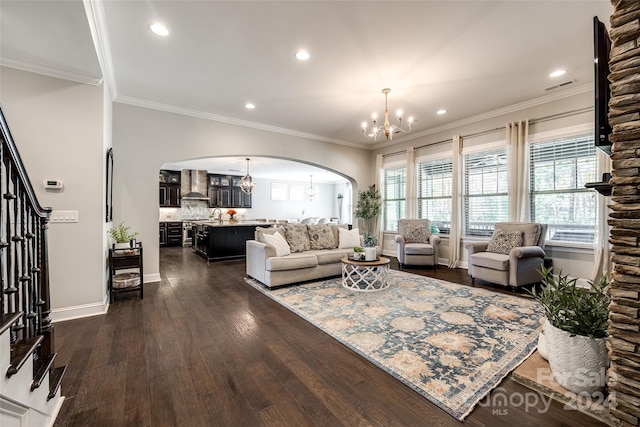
(368, 208)
(579, 311)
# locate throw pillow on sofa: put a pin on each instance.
(503, 241)
(321, 236)
(348, 239)
(297, 237)
(278, 242)
(261, 231)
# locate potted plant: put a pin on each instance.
(358, 252)
(368, 208)
(122, 235)
(370, 243)
(231, 213)
(575, 330)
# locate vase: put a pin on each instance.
(369, 254)
(578, 363)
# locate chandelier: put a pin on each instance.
(246, 183)
(387, 130)
(310, 193)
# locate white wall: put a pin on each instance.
(577, 262)
(58, 128)
(145, 139)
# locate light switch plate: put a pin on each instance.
(64, 216)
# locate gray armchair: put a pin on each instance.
(503, 261)
(415, 245)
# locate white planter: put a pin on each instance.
(370, 254)
(542, 346)
(578, 363)
(126, 245)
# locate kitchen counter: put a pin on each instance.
(218, 241)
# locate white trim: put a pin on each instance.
(98, 26)
(230, 120)
(151, 278)
(432, 157)
(80, 311)
(56, 72)
(577, 90)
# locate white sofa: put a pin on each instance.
(263, 264)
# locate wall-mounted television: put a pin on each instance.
(601, 49)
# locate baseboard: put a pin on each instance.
(150, 278)
(80, 311)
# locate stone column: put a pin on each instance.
(624, 116)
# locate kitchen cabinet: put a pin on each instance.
(170, 233)
(216, 243)
(169, 192)
(224, 192)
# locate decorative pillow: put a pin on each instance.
(297, 237)
(261, 231)
(503, 241)
(321, 236)
(278, 242)
(348, 239)
(416, 232)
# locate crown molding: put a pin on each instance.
(230, 120)
(51, 71)
(94, 10)
(578, 90)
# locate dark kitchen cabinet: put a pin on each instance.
(171, 233)
(224, 192)
(169, 196)
(223, 242)
(169, 191)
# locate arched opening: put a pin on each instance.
(285, 190)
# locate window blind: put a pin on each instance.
(434, 192)
(395, 191)
(559, 170)
(485, 191)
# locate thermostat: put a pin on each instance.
(51, 184)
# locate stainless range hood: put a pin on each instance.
(194, 185)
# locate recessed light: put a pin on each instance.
(302, 55)
(441, 111)
(249, 106)
(557, 73)
(159, 29)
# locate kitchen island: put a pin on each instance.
(219, 241)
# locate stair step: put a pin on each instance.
(41, 369)
(7, 319)
(21, 352)
(55, 379)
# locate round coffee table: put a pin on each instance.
(365, 276)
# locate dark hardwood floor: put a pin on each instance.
(205, 349)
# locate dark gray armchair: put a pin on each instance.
(503, 261)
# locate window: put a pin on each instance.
(395, 193)
(485, 191)
(559, 170)
(434, 192)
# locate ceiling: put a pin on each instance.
(469, 57)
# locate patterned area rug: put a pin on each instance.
(451, 343)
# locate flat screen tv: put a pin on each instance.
(602, 47)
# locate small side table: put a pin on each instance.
(126, 259)
(365, 276)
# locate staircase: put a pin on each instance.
(29, 382)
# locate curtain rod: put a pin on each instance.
(486, 132)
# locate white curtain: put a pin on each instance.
(517, 153)
(379, 181)
(411, 210)
(601, 253)
(456, 204)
